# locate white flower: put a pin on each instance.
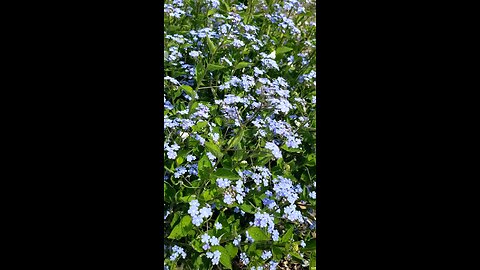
(194, 54)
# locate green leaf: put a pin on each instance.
(199, 126)
(179, 160)
(269, 3)
(313, 261)
(182, 228)
(187, 198)
(168, 193)
(199, 72)
(177, 93)
(251, 248)
(211, 46)
(297, 256)
(312, 160)
(310, 245)
(280, 163)
(239, 155)
(204, 167)
(287, 236)
(227, 162)
(277, 253)
(257, 234)
(227, 7)
(214, 67)
(225, 259)
(188, 90)
(242, 65)
(176, 217)
(197, 245)
(232, 250)
(200, 262)
(192, 105)
(225, 173)
(211, 11)
(218, 120)
(207, 195)
(247, 208)
(257, 201)
(214, 149)
(264, 159)
(236, 140)
(291, 150)
(282, 50)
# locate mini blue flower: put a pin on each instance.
(215, 256)
(223, 183)
(214, 241)
(266, 255)
(237, 240)
(205, 238)
(228, 199)
(194, 54)
(275, 235)
(244, 259)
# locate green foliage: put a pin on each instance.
(182, 228)
(211, 52)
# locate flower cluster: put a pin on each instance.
(239, 125)
(177, 252)
(198, 215)
(215, 256)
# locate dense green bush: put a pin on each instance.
(240, 134)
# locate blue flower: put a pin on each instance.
(228, 199)
(292, 214)
(239, 198)
(275, 235)
(200, 139)
(205, 212)
(205, 238)
(223, 183)
(248, 238)
(194, 54)
(266, 255)
(238, 43)
(273, 265)
(215, 256)
(270, 63)
(177, 251)
(214, 241)
(274, 148)
(215, 137)
(244, 259)
(197, 220)
(211, 157)
(237, 240)
(194, 203)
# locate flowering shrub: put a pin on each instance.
(239, 161)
